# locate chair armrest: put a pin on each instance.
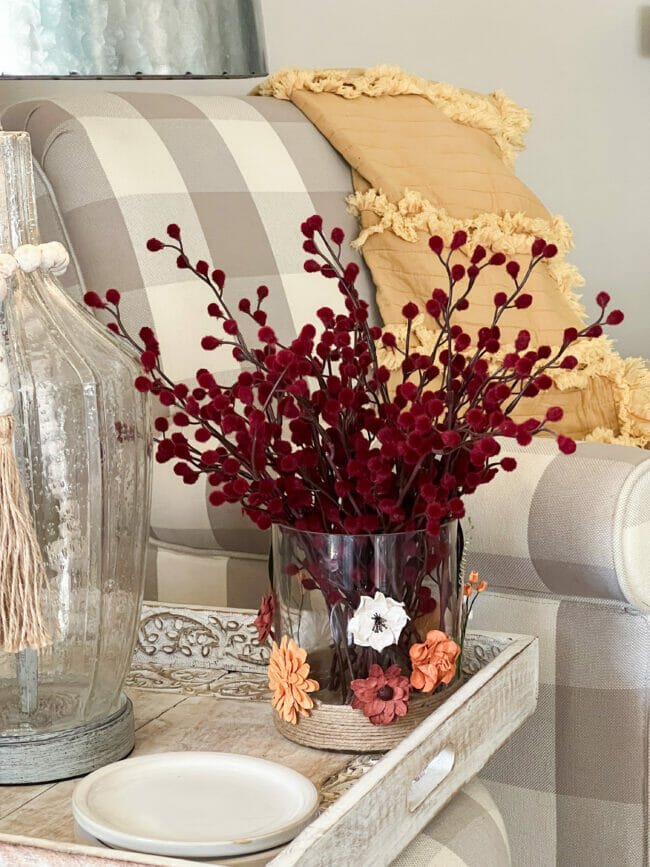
(571, 525)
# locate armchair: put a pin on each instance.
(564, 541)
(565, 544)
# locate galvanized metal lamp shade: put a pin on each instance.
(132, 38)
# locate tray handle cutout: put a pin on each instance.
(430, 777)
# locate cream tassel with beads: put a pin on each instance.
(22, 572)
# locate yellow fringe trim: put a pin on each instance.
(494, 114)
(630, 377)
(505, 233)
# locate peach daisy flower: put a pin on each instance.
(289, 679)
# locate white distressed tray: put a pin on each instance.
(188, 658)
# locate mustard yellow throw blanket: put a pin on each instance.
(428, 158)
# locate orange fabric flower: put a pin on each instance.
(473, 577)
(289, 679)
(434, 661)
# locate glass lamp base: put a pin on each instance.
(45, 758)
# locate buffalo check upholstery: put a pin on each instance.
(564, 541)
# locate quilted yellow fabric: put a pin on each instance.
(428, 158)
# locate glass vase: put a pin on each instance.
(320, 579)
(83, 446)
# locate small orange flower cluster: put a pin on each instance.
(474, 585)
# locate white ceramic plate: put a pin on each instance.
(256, 859)
(195, 804)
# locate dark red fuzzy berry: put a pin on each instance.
(410, 310)
(337, 235)
(550, 250)
(497, 259)
(523, 301)
(266, 335)
(513, 269)
(315, 223)
(143, 384)
(153, 245)
(615, 317)
(554, 413)
(219, 277)
(538, 246)
(436, 244)
(92, 299)
(566, 445)
(522, 341)
(148, 360)
(174, 231)
(113, 296)
(460, 238)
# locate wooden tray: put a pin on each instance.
(198, 682)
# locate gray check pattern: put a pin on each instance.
(238, 176)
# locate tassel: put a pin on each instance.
(22, 571)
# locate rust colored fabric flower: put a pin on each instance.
(383, 695)
(434, 661)
(289, 679)
(264, 619)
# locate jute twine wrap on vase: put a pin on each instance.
(341, 727)
(23, 580)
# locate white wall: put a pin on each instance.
(581, 66)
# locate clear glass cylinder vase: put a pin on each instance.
(323, 584)
(83, 446)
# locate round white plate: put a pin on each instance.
(195, 804)
(256, 859)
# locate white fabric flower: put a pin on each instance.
(378, 622)
(54, 257)
(28, 257)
